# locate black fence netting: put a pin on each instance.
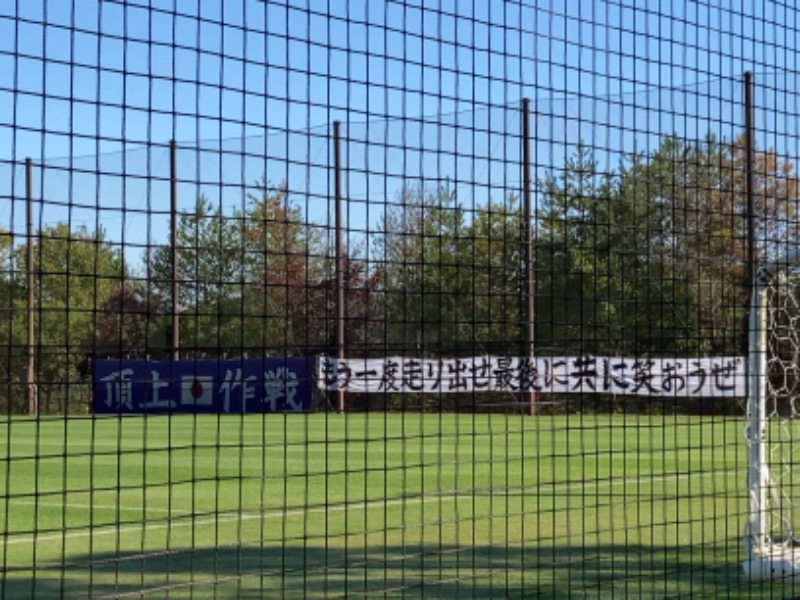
(367, 299)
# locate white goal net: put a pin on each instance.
(773, 423)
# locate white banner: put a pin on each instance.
(662, 377)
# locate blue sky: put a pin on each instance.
(247, 80)
(193, 72)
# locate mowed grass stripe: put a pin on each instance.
(365, 484)
(178, 518)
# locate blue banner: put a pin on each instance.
(259, 385)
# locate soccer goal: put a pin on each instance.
(773, 422)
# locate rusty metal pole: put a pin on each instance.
(173, 198)
(529, 278)
(339, 250)
(749, 177)
(30, 367)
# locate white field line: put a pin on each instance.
(228, 516)
(220, 518)
(114, 507)
(639, 479)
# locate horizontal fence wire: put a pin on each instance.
(403, 298)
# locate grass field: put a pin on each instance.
(292, 506)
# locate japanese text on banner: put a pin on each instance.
(668, 377)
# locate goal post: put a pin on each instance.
(773, 422)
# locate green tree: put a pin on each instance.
(75, 273)
(495, 251)
(130, 324)
(245, 278)
(651, 257)
(284, 263)
(451, 284)
(364, 309)
(210, 277)
(713, 221)
(12, 358)
(578, 221)
(425, 278)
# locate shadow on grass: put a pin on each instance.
(410, 571)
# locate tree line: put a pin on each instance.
(647, 258)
